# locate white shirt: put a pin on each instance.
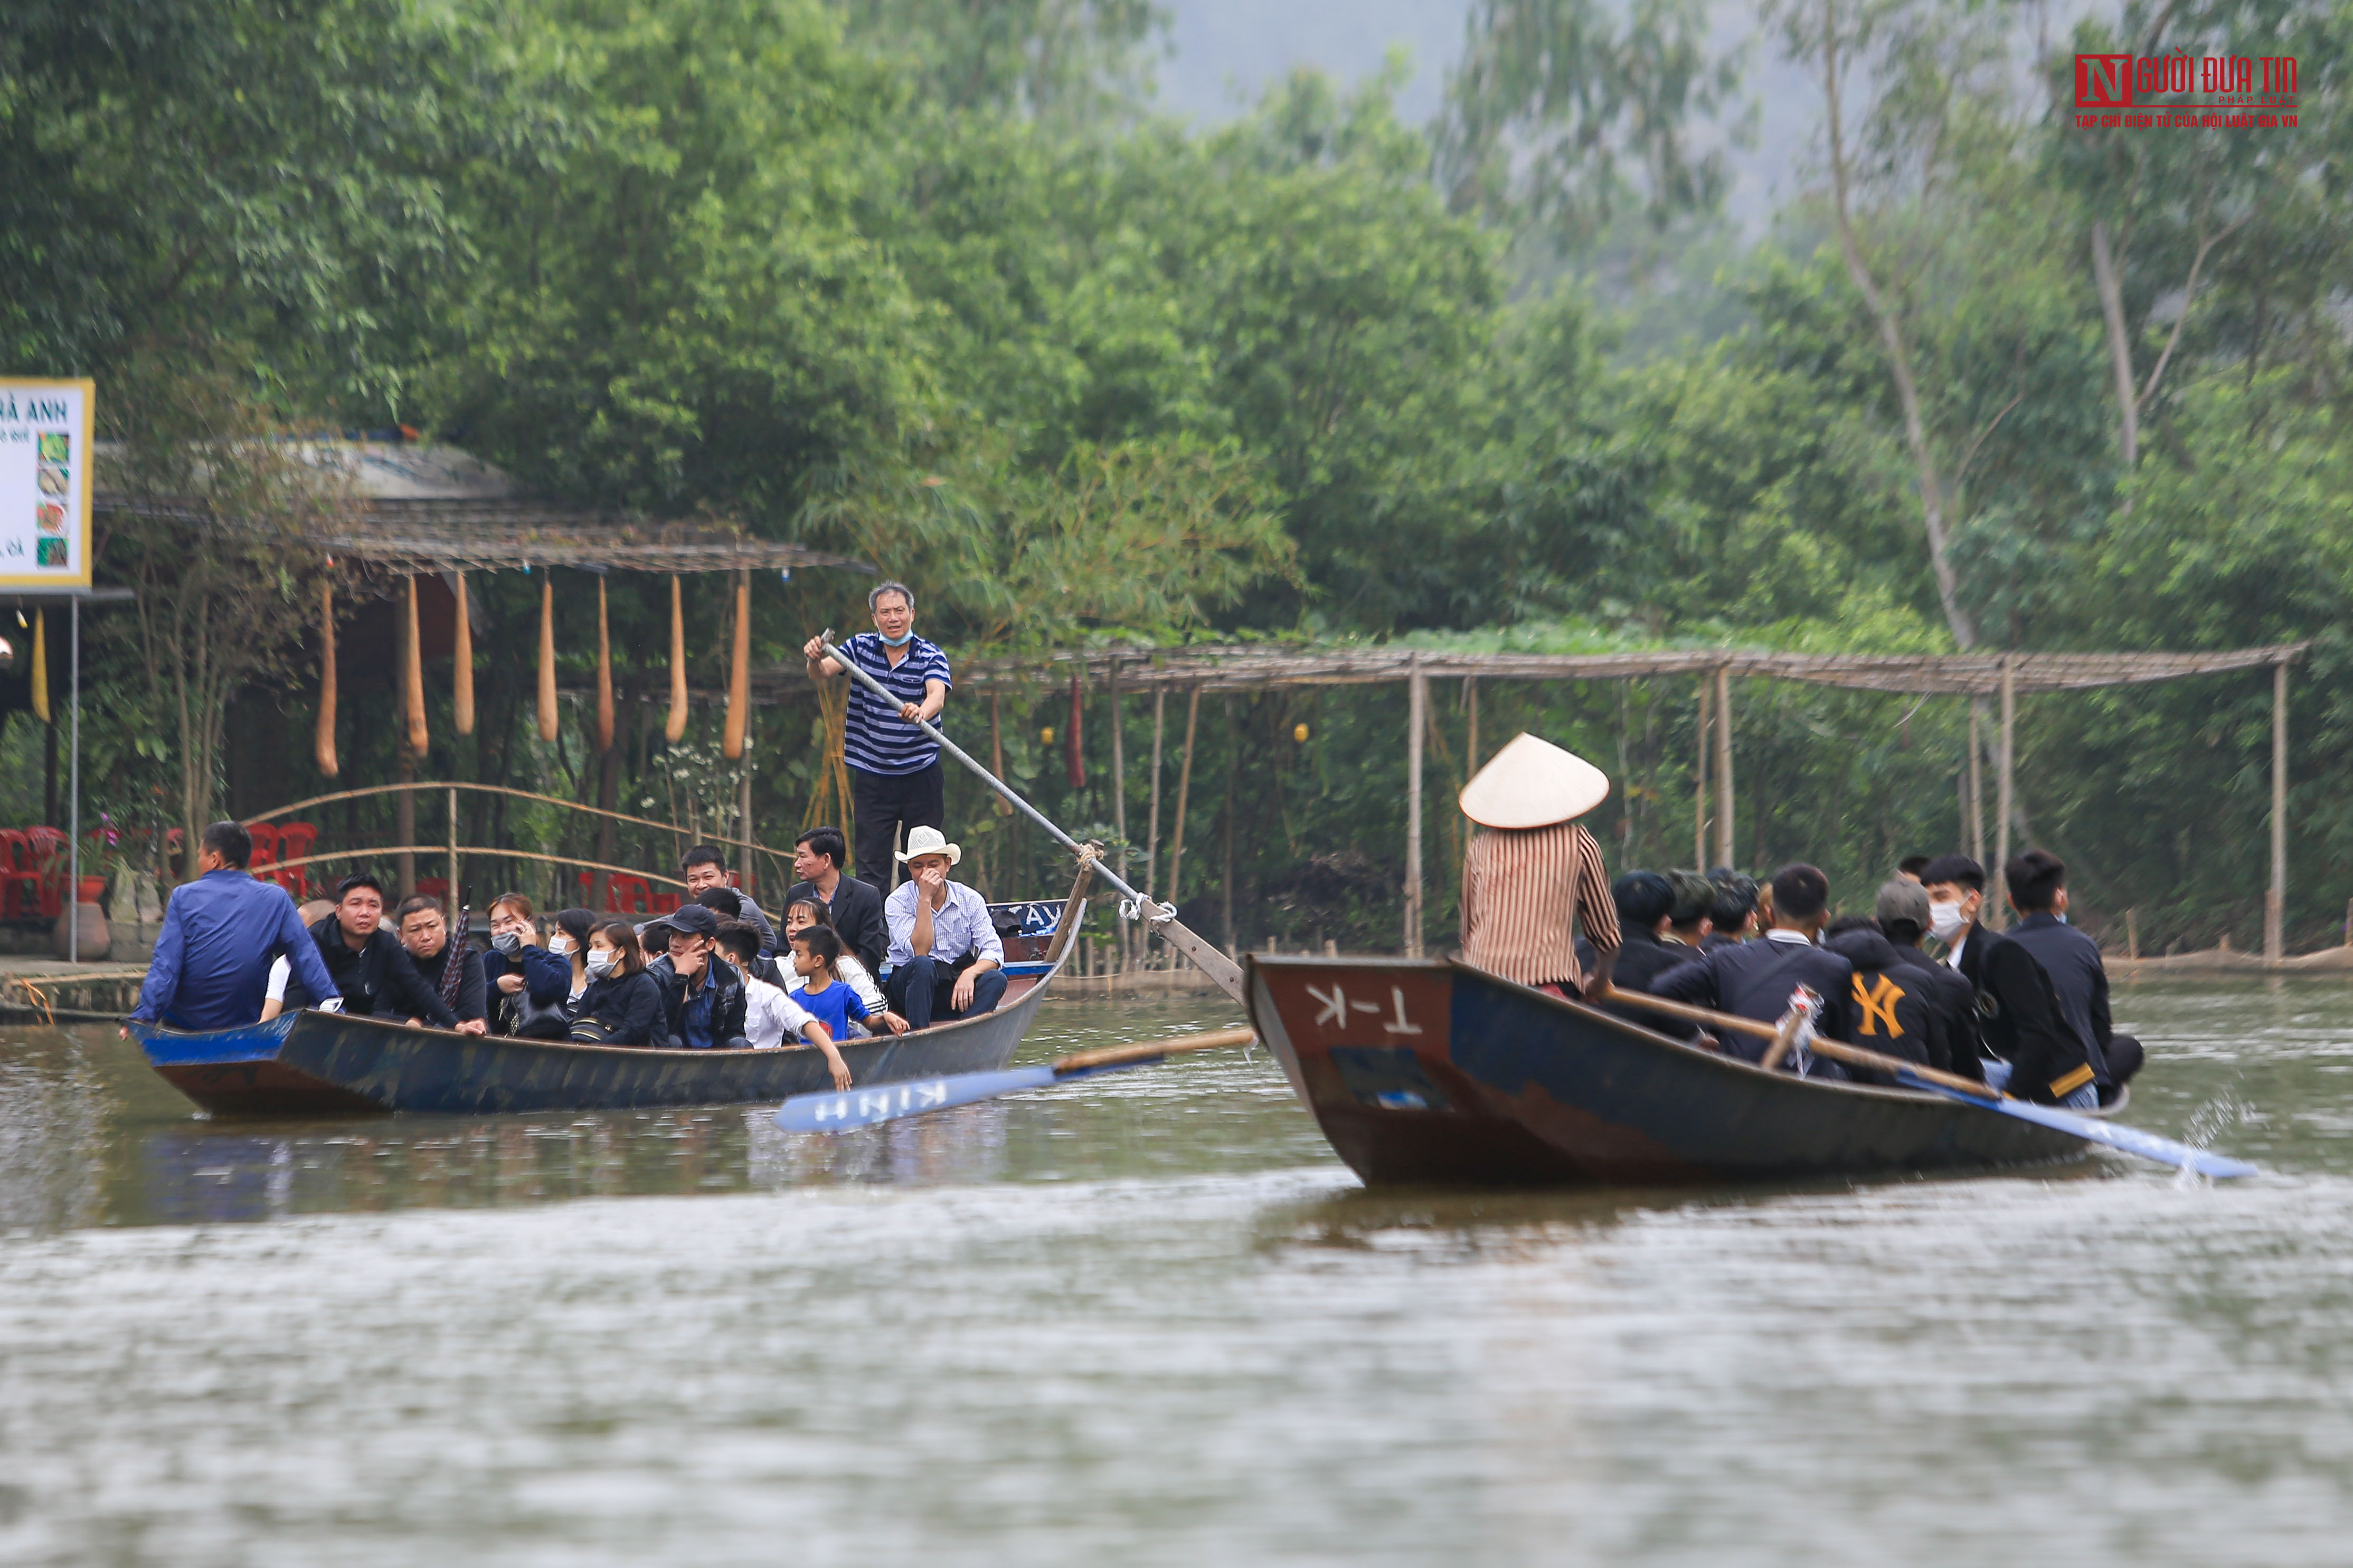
(1793, 938)
(960, 927)
(281, 973)
(850, 973)
(770, 1016)
(1954, 957)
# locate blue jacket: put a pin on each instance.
(221, 933)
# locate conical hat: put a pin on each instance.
(1533, 784)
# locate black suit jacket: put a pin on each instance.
(1894, 1012)
(2018, 1017)
(2078, 978)
(1754, 979)
(857, 916)
(1957, 1006)
(380, 978)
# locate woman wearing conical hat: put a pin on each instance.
(1535, 877)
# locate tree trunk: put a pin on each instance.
(2111, 307)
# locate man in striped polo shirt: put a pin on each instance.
(895, 778)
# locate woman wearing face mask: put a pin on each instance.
(528, 984)
(623, 1004)
(569, 942)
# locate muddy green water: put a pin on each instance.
(1149, 1320)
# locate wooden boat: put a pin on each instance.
(1427, 1070)
(312, 1063)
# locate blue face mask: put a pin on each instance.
(900, 641)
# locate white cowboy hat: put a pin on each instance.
(1533, 784)
(932, 841)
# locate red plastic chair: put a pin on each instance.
(662, 903)
(295, 842)
(49, 866)
(20, 891)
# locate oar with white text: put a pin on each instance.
(839, 1111)
(1969, 1091)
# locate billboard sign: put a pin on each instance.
(45, 435)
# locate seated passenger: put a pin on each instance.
(281, 970)
(1734, 918)
(705, 867)
(1691, 921)
(1644, 900)
(571, 941)
(832, 1004)
(527, 982)
(623, 1004)
(2036, 1054)
(450, 970)
(1755, 979)
(803, 913)
(946, 962)
(2037, 881)
(703, 998)
(1894, 1012)
(1904, 915)
(373, 972)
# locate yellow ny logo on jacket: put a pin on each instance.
(1878, 1007)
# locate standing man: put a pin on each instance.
(1536, 873)
(2019, 1018)
(704, 867)
(853, 908)
(946, 961)
(895, 778)
(220, 933)
(2037, 891)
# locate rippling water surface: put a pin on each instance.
(1147, 1320)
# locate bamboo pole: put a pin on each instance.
(1132, 933)
(675, 729)
(1471, 725)
(1184, 796)
(1724, 852)
(1699, 774)
(1152, 829)
(604, 674)
(323, 745)
(739, 671)
(2005, 788)
(996, 752)
(1417, 719)
(1074, 756)
(2275, 898)
(404, 826)
(461, 670)
(412, 675)
(1976, 823)
(547, 714)
(455, 934)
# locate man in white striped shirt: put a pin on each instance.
(895, 778)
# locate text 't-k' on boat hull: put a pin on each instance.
(1426, 1070)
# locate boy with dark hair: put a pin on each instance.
(1733, 914)
(2037, 881)
(1908, 869)
(826, 999)
(1691, 918)
(373, 972)
(1757, 978)
(852, 905)
(2018, 1017)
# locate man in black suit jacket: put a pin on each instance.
(1646, 947)
(1755, 979)
(854, 906)
(2037, 881)
(2018, 1016)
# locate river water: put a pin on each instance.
(1149, 1320)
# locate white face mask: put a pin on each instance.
(1947, 921)
(600, 963)
(559, 945)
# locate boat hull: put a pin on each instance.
(319, 1064)
(1432, 1071)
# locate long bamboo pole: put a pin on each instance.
(416, 850)
(1977, 782)
(1699, 774)
(2275, 898)
(461, 670)
(1130, 939)
(739, 671)
(1152, 828)
(455, 899)
(604, 674)
(670, 828)
(1417, 719)
(547, 713)
(676, 727)
(1997, 912)
(1724, 852)
(1183, 797)
(323, 745)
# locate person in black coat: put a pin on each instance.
(853, 906)
(623, 1004)
(1893, 1012)
(1732, 916)
(527, 985)
(1644, 900)
(2037, 881)
(2019, 1018)
(366, 962)
(703, 1000)
(1755, 979)
(427, 937)
(1902, 916)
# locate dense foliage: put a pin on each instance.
(930, 284)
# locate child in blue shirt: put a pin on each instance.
(832, 1002)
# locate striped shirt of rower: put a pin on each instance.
(876, 740)
(1524, 891)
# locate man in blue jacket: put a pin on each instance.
(221, 933)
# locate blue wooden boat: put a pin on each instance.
(312, 1063)
(1427, 1070)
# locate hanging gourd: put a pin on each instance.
(676, 728)
(41, 666)
(604, 675)
(461, 684)
(412, 673)
(739, 670)
(323, 746)
(547, 659)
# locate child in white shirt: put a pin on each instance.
(801, 914)
(771, 1017)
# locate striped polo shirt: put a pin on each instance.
(877, 739)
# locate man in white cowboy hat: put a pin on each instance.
(1535, 875)
(945, 958)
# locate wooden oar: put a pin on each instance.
(839, 1111)
(1969, 1091)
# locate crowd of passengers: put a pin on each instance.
(716, 974)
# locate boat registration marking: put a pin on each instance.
(1336, 1009)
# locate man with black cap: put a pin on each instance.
(1901, 910)
(2037, 881)
(702, 995)
(1757, 978)
(2019, 1018)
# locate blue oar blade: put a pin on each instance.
(839, 1111)
(2115, 1135)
